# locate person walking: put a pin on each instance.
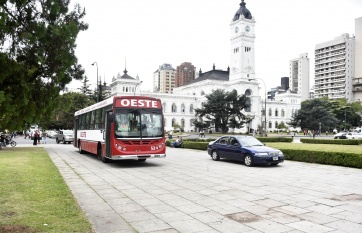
(44, 138)
(35, 137)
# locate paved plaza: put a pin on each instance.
(189, 192)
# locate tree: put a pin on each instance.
(85, 87)
(69, 103)
(315, 113)
(37, 47)
(222, 107)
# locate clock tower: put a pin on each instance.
(242, 58)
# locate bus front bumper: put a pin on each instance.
(137, 157)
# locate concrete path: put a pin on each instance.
(189, 192)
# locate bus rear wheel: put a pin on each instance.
(80, 148)
(141, 160)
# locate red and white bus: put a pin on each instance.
(121, 127)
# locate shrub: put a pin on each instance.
(332, 141)
(275, 139)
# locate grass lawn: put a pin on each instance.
(317, 147)
(34, 196)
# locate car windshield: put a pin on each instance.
(249, 141)
(135, 123)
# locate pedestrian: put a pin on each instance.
(44, 138)
(35, 137)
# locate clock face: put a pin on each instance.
(236, 30)
(247, 29)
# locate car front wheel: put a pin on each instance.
(215, 156)
(248, 160)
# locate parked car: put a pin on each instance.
(64, 136)
(51, 133)
(341, 135)
(354, 135)
(247, 149)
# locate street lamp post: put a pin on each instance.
(265, 97)
(97, 80)
(134, 93)
(320, 124)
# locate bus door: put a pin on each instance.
(107, 133)
(75, 132)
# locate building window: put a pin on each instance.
(174, 108)
(173, 122)
(164, 107)
(283, 113)
(276, 112)
(182, 108)
(270, 124)
(276, 124)
(270, 112)
(191, 108)
(182, 123)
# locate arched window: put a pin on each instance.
(270, 112)
(126, 89)
(276, 112)
(123, 89)
(191, 108)
(202, 93)
(182, 108)
(192, 122)
(182, 123)
(248, 101)
(270, 124)
(283, 113)
(174, 108)
(173, 121)
(276, 124)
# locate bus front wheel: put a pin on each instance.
(99, 153)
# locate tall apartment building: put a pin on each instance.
(299, 76)
(164, 79)
(185, 73)
(357, 80)
(334, 68)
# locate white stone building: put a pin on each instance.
(180, 106)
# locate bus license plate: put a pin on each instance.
(275, 158)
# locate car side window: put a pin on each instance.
(234, 142)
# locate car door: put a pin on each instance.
(223, 148)
(234, 149)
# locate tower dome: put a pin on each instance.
(242, 11)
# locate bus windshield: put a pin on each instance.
(138, 123)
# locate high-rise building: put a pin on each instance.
(284, 82)
(334, 68)
(357, 80)
(299, 76)
(164, 79)
(185, 73)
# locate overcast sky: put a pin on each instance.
(149, 33)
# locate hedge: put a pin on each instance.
(275, 139)
(332, 141)
(322, 157)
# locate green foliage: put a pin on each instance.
(85, 87)
(324, 157)
(332, 141)
(312, 113)
(69, 103)
(37, 47)
(275, 139)
(225, 109)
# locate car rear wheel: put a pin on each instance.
(215, 156)
(248, 160)
(57, 140)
